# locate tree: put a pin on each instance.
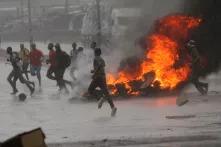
(97, 21)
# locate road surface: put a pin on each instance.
(139, 122)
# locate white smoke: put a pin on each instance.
(84, 64)
(119, 48)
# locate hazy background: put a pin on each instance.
(69, 20)
(122, 24)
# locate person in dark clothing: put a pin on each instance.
(16, 73)
(196, 67)
(52, 62)
(60, 68)
(99, 80)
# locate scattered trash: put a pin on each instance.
(34, 138)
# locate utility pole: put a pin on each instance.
(30, 23)
(1, 36)
(66, 7)
(0, 42)
(99, 35)
(22, 11)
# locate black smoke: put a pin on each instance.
(208, 35)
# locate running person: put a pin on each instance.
(16, 73)
(52, 62)
(99, 80)
(61, 64)
(24, 56)
(73, 65)
(196, 67)
(36, 57)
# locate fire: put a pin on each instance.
(162, 54)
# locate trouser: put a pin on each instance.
(36, 70)
(12, 80)
(200, 86)
(59, 75)
(25, 66)
(50, 72)
(101, 83)
(14, 76)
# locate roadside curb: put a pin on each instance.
(139, 141)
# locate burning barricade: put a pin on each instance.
(165, 64)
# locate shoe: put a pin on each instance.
(32, 91)
(40, 90)
(66, 91)
(181, 101)
(72, 85)
(14, 92)
(202, 91)
(113, 111)
(33, 83)
(206, 88)
(100, 102)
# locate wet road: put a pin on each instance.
(65, 121)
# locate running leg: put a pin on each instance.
(12, 81)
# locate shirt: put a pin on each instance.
(52, 58)
(24, 55)
(195, 55)
(15, 61)
(35, 57)
(60, 59)
(99, 65)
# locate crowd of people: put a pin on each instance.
(58, 61)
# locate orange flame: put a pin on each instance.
(161, 55)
